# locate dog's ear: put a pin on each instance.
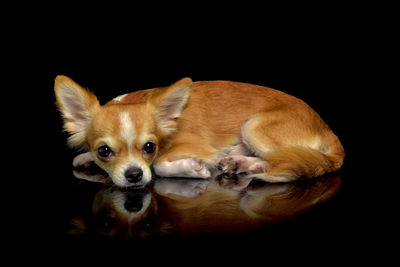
(77, 106)
(169, 104)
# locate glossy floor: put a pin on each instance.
(192, 216)
(194, 208)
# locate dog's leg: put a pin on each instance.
(186, 159)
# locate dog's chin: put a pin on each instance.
(122, 183)
(119, 179)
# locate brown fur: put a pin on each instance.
(283, 123)
(208, 119)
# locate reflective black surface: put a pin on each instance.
(178, 207)
(185, 217)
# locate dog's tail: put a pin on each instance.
(295, 162)
(335, 152)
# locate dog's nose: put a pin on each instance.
(133, 203)
(133, 175)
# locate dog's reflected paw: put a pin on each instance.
(197, 188)
(235, 182)
(189, 188)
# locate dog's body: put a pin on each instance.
(197, 129)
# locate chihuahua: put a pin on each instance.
(198, 129)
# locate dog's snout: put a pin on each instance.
(133, 175)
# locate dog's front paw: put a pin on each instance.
(188, 167)
(200, 169)
(85, 168)
(83, 160)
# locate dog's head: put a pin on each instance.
(124, 138)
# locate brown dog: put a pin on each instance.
(199, 129)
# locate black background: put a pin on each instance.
(322, 61)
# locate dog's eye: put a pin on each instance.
(105, 222)
(149, 222)
(104, 151)
(149, 148)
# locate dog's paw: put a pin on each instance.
(235, 182)
(239, 164)
(85, 168)
(83, 160)
(228, 166)
(236, 171)
(200, 169)
(188, 167)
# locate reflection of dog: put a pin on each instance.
(126, 214)
(190, 207)
(191, 129)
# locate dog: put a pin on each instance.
(199, 129)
